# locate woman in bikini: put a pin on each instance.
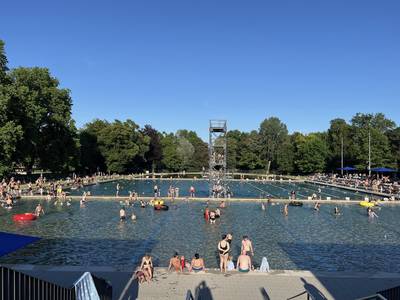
(147, 265)
(223, 248)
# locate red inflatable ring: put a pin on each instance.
(24, 217)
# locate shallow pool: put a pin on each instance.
(244, 189)
(93, 235)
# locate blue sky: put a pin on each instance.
(177, 64)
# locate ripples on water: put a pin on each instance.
(304, 240)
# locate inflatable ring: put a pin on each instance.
(161, 207)
(24, 217)
(296, 203)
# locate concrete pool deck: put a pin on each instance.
(214, 285)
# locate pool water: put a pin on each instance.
(93, 235)
(245, 189)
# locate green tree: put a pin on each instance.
(394, 139)
(339, 131)
(122, 144)
(250, 152)
(233, 151)
(199, 158)
(285, 157)
(3, 64)
(153, 157)
(273, 134)
(91, 158)
(378, 127)
(171, 160)
(312, 153)
(43, 111)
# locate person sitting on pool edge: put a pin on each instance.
(244, 263)
(176, 263)
(142, 275)
(197, 264)
(147, 265)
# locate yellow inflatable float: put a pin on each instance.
(367, 204)
(157, 202)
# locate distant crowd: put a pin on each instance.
(376, 183)
(13, 188)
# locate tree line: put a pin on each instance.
(37, 131)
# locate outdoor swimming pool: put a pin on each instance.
(93, 235)
(245, 189)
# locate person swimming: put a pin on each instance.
(39, 210)
(336, 211)
(217, 213)
(122, 214)
(212, 217)
(207, 214)
(371, 213)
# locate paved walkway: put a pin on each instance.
(279, 285)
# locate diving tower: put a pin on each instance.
(217, 152)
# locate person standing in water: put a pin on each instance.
(39, 210)
(336, 211)
(286, 210)
(155, 189)
(192, 192)
(223, 248)
(247, 246)
(122, 214)
(117, 190)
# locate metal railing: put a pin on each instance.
(19, 286)
(15, 285)
(391, 294)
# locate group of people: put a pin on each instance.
(376, 183)
(179, 264)
(212, 215)
(123, 215)
(244, 264)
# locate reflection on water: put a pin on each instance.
(93, 235)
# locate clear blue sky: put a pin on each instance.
(177, 64)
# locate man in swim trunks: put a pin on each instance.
(244, 263)
(176, 263)
(247, 246)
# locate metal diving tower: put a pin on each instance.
(217, 152)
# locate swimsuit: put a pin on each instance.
(244, 270)
(199, 269)
(223, 251)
